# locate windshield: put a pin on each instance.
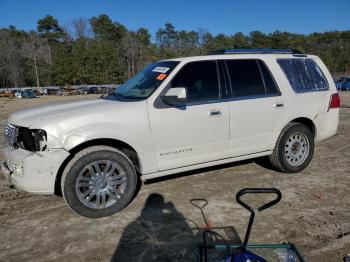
(144, 83)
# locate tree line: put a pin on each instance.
(100, 51)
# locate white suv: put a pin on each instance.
(175, 115)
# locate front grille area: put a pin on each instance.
(11, 134)
(25, 138)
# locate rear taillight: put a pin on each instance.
(335, 101)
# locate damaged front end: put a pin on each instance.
(28, 139)
(30, 165)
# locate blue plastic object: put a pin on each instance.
(245, 256)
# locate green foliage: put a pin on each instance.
(105, 29)
(62, 56)
(49, 28)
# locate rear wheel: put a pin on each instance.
(294, 148)
(99, 181)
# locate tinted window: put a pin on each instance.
(269, 82)
(250, 78)
(201, 80)
(304, 75)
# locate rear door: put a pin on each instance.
(257, 107)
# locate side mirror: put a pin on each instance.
(176, 96)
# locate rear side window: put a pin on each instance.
(304, 75)
(201, 80)
(250, 78)
(269, 82)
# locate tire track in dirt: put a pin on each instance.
(29, 208)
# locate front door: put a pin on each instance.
(195, 133)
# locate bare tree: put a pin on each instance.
(202, 38)
(68, 33)
(10, 58)
(34, 43)
(130, 48)
(81, 27)
(77, 28)
(37, 49)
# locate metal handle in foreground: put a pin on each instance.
(261, 208)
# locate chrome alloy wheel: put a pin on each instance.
(296, 149)
(100, 184)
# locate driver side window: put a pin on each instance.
(201, 80)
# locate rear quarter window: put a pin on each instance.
(304, 75)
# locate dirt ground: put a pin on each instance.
(161, 223)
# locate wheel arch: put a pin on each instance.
(301, 120)
(307, 122)
(118, 144)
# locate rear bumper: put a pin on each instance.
(34, 172)
(327, 124)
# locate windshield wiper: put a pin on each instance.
(117, 95)
(126, 98)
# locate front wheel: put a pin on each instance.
(99, 181)
(294, 149)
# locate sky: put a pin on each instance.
(217, 16)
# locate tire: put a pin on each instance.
(294, 149)
(98, 182)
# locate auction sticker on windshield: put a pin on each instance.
(161, 77)
(161, 69)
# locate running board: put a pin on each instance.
(203, 165)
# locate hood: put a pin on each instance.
(60, 110)
(71, 123)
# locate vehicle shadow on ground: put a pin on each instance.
(162, 233)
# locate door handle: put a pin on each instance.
(278, 104)
(214, 113)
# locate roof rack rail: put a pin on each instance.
(257, 51)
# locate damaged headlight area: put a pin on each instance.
(25, 138)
